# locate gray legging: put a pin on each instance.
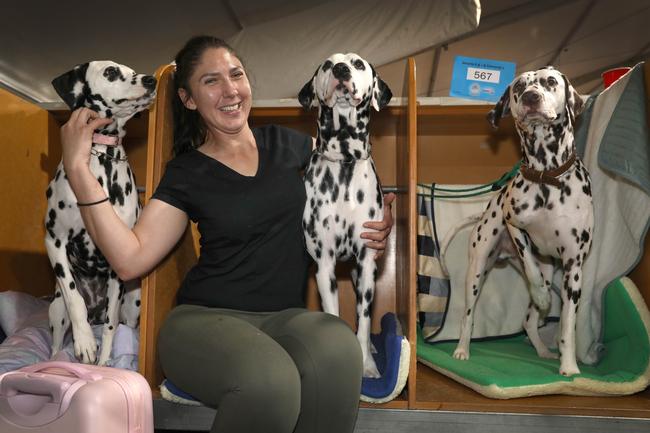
(288, 371)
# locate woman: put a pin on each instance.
(240, 339)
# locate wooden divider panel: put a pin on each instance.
(27, 165)
(160, 286)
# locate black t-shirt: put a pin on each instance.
(253, 254)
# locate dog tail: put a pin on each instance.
(451, 233)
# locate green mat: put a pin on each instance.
(510, 367)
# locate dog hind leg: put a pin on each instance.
(130, 304)
(531, 324)
(85, 345)
(483, 253)
(59, 321)
(539, 292)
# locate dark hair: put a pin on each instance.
(189, 128)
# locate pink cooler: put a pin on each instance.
(61, 397)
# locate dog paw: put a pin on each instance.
(103, 359)
(85, 346)
(569, 370)
(461, 354)
(105, 351)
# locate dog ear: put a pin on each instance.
(381, 93)
(574, 102)
(70, 86)
(307, 95)
(500, 110)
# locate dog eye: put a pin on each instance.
(518, 88)
(111, 73)
(358, 64)
(551, 81)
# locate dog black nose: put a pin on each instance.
(341, 72)
(149, 82)
(530, 97)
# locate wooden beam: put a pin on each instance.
(233, 14)
(579, 22)
(434, 70)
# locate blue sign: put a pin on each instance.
(481, 79)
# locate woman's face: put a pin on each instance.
(220, 91)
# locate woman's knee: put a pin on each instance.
(267, 380)
(327, 338)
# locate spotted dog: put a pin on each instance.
(543, 216)
(87, 290)
(343, 190)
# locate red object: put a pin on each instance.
(74, 398)
(612, 75)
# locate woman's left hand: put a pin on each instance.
(381, 229)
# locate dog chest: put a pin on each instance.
(350, 188)
(549, 215)
(340, 198)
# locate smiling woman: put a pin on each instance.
(243, 186)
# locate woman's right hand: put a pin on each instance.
(77, 137)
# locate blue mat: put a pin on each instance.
(392, 359)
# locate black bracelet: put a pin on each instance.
(95, 202)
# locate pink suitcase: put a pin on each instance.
(62, 397)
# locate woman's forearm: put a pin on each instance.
(117, 242)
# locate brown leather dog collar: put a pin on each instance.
(549, 177)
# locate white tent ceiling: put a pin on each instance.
(273, 36)
(283, 40)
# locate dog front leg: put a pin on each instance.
(570, 300)
(365, 289)
(114, 293)
(327, 287)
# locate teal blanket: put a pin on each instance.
(612, 139)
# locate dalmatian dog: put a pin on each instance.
(543, 216)
(343, 190)
(87, 291)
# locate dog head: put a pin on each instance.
(110, 89)
(538, 97)
(344, 81)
